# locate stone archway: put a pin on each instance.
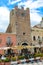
(25, 44)
(24, 50)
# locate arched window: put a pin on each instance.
(34, 38)
(38, 37)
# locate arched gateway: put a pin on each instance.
(25, 44)
(24, 50)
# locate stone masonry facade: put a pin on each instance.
(20, 25)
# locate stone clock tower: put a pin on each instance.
(20, 25)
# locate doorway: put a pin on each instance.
(24, 50)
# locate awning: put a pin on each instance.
(20, 47)
(4, 48)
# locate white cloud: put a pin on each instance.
(12, 2)
(4, 18)
(34, 16)
(31, 4)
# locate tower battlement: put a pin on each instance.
(21, 9)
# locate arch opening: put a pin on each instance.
(24, 50)
(25, 44)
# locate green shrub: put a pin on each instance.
(13, 58)
(6, 60)
(0, 60)
(20, 57)
(38, 55)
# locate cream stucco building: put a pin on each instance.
(37, 33)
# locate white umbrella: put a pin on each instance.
(3, 58)
(4, 48)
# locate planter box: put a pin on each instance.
(7, 63)
(0, 63)
(4, 63)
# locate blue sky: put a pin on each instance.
(36, 11)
